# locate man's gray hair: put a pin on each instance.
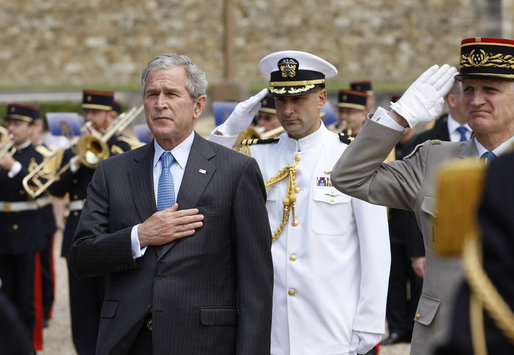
(196, 82)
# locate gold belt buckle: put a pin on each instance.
(149, 324)
(7, 207)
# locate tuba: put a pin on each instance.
(89, 149)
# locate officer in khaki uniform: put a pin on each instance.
(86, 295)
(329, 252)
(21, 222)
(488, 93)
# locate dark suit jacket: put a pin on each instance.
(497, 230)
(210, 293)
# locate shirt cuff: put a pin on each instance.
(15, 170)
(73, 167)
(137, 252)
(381, 116)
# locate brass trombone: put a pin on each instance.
(90, 150)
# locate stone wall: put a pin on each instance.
(94, 43)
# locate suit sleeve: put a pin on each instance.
(375, 259)
(252, 235)
(361, 173)
(95, 251)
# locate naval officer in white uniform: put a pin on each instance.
(330, 251)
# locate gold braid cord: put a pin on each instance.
(288, 172)
(484, 290)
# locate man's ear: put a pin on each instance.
(322, 98)
(199, 106)
(451, 99)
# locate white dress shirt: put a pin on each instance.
(180, 155)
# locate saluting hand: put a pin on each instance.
(167, 225)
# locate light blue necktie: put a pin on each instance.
(462, 130)
(488, 156)
(166, 187)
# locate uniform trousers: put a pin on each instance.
(17, 275)
(404, 292)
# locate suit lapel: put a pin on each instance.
(140, 178)
(199, 171)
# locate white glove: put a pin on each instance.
(364, 341)
(242, 116)
(424, 99)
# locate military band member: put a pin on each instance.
(330, 269)
(351, 108)
(50, 227)
(365, 87)
(86, 295)
(22, 230)
(488, 93)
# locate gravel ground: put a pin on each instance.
(57, 337)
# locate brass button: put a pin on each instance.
(296, 189)
(75, 181)
(291, 292)
(418, 316)
(75, 213)
(295, 223)
(75, 197)
(15, 227)
(22, 192)
(292, 257)
(332, 200)
(149, 325)
(297, 157)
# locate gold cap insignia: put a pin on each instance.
(288, 67)
(89, 98)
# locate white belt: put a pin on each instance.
(77, 205)
(18, 206)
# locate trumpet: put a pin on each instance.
(7, 142)
(90, 150)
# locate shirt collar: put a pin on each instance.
(24, 145)
(309, 141)
(180, 152)
(499, 150)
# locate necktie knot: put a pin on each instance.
(462, 130)
(166, 160)
(488, 156)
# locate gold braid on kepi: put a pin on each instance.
(288, 172)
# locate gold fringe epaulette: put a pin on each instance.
(345, 138)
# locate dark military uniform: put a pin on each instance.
(22, 232)
(86, 295)
(497, 229)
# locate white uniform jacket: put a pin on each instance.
(331, 270)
